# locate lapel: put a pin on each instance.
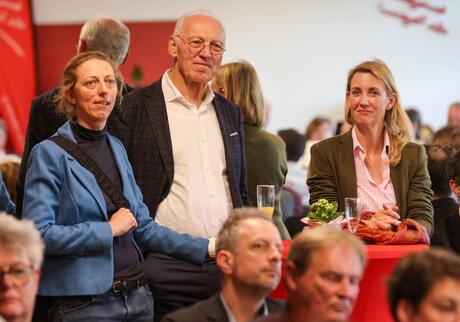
(156, 112)
(396, 177)
(214, 309)
(347, 174)
(84, 176)
(223, 119)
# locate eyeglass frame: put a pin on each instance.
(16, 274)
(204, 43)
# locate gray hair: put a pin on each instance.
(17, 236)
(231, 228)
(108, 35)
(306, 244)
(201, 12)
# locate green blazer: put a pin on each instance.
(266, 164)
(333, 177)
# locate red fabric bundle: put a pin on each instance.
(408, 232)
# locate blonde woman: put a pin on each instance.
(375, 161)
(265, 153)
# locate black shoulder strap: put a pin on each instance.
(85, 160)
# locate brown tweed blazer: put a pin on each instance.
(332, 177)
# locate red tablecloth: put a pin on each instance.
(371, 305)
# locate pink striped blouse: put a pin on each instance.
(373, 196)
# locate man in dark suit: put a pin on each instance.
(185, 144)
(104, 34)
(249, 250)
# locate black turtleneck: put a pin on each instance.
(127, 262)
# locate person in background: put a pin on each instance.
(9, 167)
(452, 222)
(21, 255)
(249, 250)
(425, 287)
(323, 270)
(105, 34)
(440, 169)
(296, 175)
(94, 239)
(455, 179)
(294, 197)
(6, 204)
(453, 115)
(448, 135)
(416, 120)
(320, 128)
(186, 147)
(265, 153)
(426, 134)
(375, 161)
(4, 155)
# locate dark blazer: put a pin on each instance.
(212, 309)
(266, 164)
(333, 177)
(64, 201)
(446, 224)
(44, 121)
(143, 128)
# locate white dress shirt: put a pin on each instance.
(199, 199)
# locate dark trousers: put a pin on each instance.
(41, 309)
(176, 284)
(134, 305)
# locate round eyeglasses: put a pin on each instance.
(19, 275)
(196, 45)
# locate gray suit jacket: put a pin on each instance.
(212, 309)
(333, 177)
(143, 128)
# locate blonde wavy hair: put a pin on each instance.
(396, 121)
(242, 85)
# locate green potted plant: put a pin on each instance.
(323, 212)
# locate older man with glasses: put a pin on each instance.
(185, 144)
(21, 255)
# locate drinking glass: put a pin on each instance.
(352, 213)
(266, 198)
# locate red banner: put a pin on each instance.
(17, 68)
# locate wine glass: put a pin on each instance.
(266, 198)
(352, 214)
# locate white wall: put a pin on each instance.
(302, 49)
